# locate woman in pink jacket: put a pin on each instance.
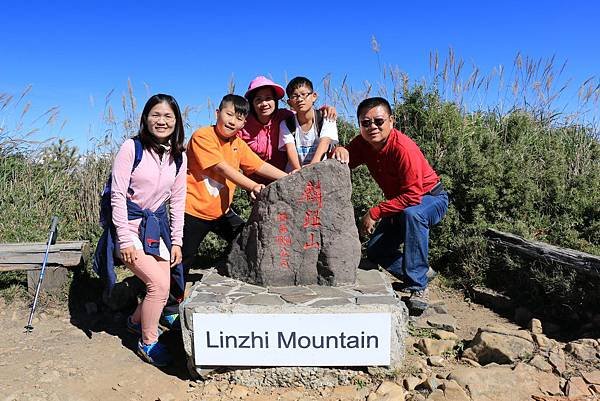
(146, 241)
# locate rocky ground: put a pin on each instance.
(458, 350)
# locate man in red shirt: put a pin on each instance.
(415, 197)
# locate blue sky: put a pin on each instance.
(74, 53)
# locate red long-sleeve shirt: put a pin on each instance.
(400, 169)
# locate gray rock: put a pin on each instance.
(416, 397)
(535, 325)
(442, 321)
(539, 362)
(212, 277)
(372, 289)
(592, 377)
(449, 390)
(299, 299)
(261, 299)
(495, 383)
(208, 297)
(496, 345)
(444, 335)
(583, 350)
(548, 383)
(430, 346)
(301, 231)
(411, 382)
(439, 307)
(368, 277)
(436, 360)
(556, 358)
(576, 387)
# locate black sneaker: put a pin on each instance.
(418, 301)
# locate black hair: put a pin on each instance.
(240, 104)
(177, 137)
(252, 95)
(296, 83)
(371, 102)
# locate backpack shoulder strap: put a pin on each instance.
(318, 121)
(178, 163)
(139, 151)
(290, 122)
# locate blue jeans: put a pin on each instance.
(410, 227)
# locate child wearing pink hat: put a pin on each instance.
(261, 131)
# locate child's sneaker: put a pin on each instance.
(171, 321)
(136, 328)
(155, 353)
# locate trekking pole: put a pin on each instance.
(51, 241)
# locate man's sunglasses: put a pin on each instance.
(377, 121)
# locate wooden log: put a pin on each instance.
(583, 262)
(30, 256)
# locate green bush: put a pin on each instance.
(516, 173)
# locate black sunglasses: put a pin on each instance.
(377, 121)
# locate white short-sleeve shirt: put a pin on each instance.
(306, 142)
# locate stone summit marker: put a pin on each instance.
(296, 301)
(301, 231)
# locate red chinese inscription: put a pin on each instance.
(312, 218)
(312, 194)
(311, 242)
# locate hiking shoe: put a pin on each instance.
(156, 353)
(418, 301)
(136, 328)
(171, 321)
(430, 274)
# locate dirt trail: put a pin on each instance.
(92, 357)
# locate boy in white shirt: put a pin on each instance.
(306, 137)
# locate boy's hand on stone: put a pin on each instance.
(329, 112)
(294, 171)
(255, 191)
(341, 154)
(175, 255)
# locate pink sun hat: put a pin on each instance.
(261, 81)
